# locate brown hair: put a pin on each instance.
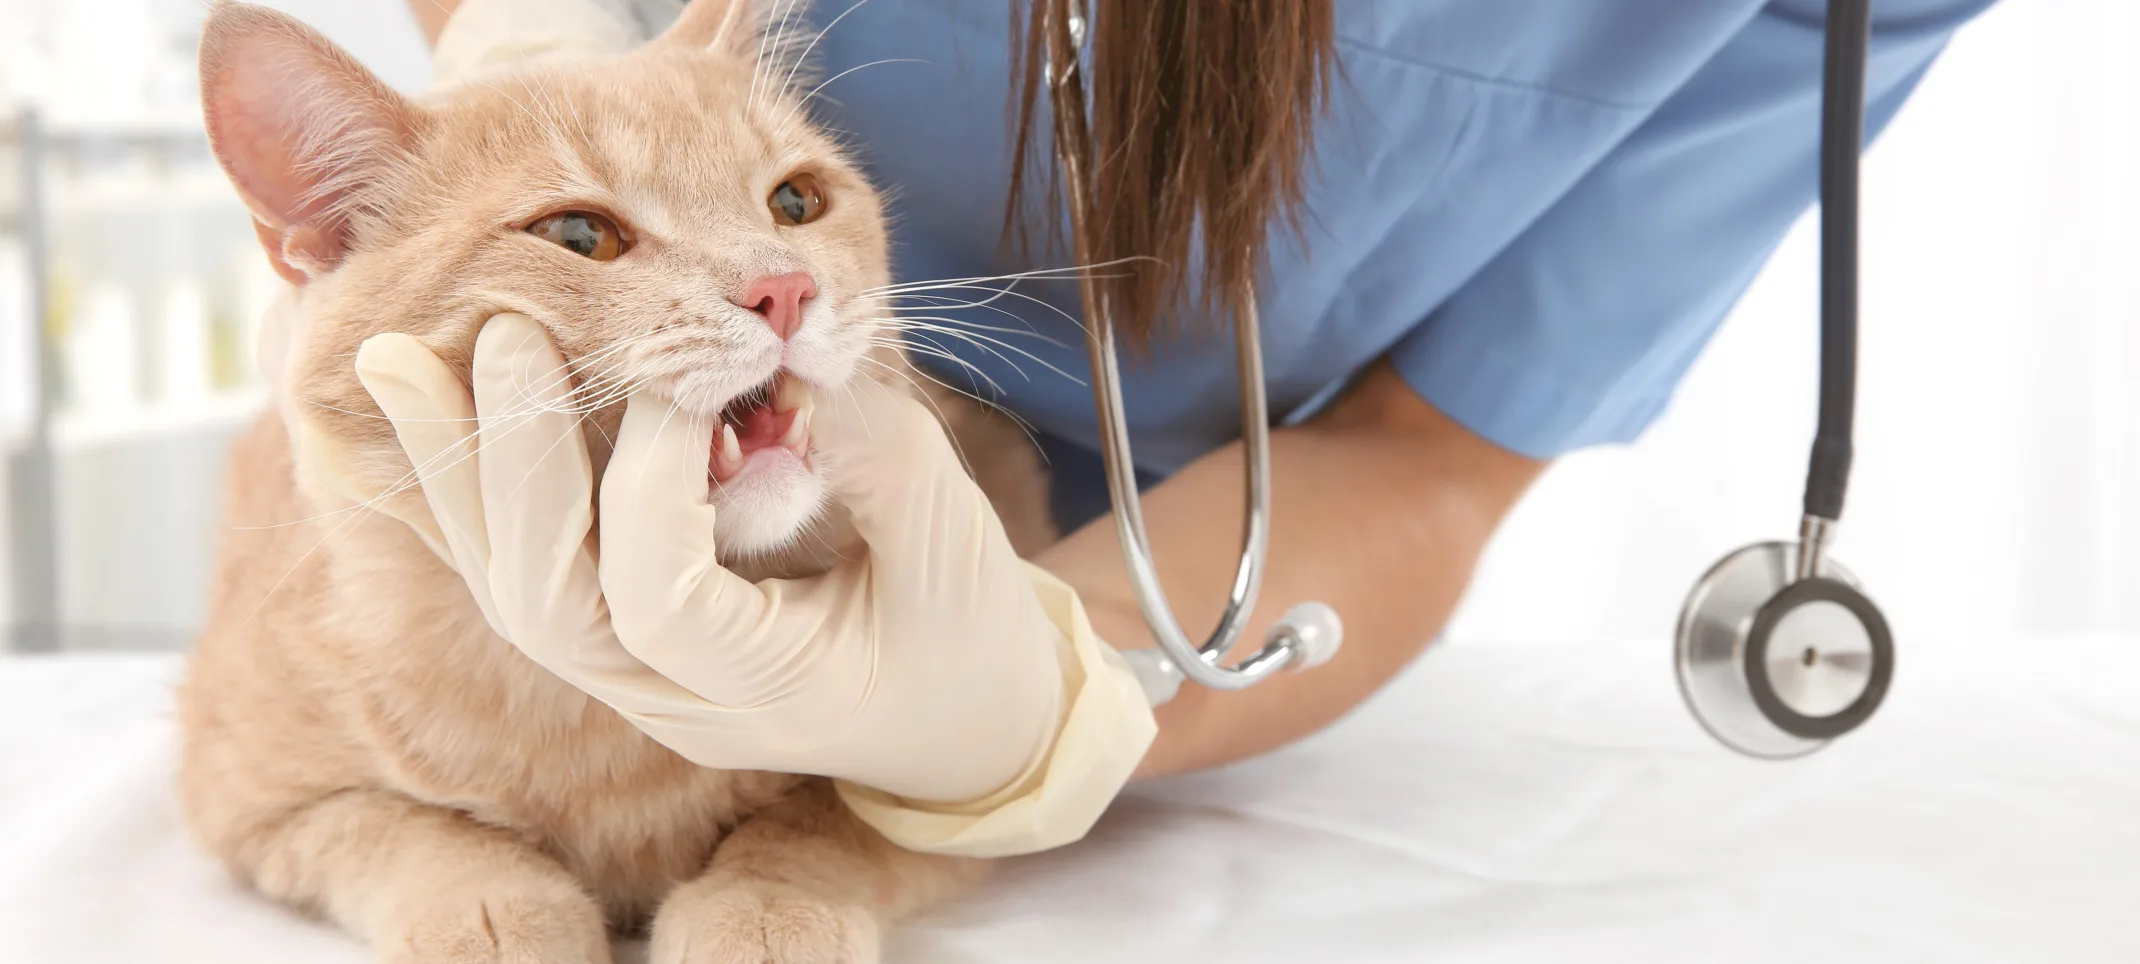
(1202, 121)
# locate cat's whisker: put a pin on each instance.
(355, 513)
(377, 417)
(299, 563)
(913, 349)
(576, 434)
(950, 303)
(913, 345)
(981, 341)
(601, 390)
(607, 439)
(610, 388)
(474, 444)
(848, 393)
(941, 418)
(586, 361)
(987, 302)
(963, 324)
(413, 478)
(1068, 273)
(918, 344)
(515, 417)
(1023, 425)
(757, 69)
(774, 35)
(973, 394)
(805, 55)
(648, 463)
(805, 99)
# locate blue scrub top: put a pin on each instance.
(1538, 210)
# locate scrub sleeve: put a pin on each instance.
(1577, 333)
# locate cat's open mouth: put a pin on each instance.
(771, 418)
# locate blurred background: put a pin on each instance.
(1997, 495)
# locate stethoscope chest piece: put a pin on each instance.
(1774, 665)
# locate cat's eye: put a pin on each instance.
(584, 233)
(798, 200)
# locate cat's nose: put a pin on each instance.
(779, 299)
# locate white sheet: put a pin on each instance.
(1505, 803)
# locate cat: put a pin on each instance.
(356, 742)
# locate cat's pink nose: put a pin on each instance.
(779, 298)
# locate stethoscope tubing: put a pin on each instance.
(1297, 640)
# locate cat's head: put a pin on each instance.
(669, 215)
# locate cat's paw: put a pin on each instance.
(760, 922)
(528, 922)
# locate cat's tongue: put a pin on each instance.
(760, 427)
(778, 418)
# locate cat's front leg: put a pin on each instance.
(425, 885)
(802, 882)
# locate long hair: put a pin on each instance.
(1202, 118)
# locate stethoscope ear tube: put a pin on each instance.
(1304, 636)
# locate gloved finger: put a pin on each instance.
(538, 493)
(434, 418)
(671, 603)
(902, 480)
(484, 36)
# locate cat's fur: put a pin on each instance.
(357, 742)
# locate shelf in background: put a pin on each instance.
(73, 431)
(71, 127)
(104, 195)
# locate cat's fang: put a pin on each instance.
(790, 393)
(727, 455)
(798, 432)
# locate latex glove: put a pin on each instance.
(955, 690)
(486, 35)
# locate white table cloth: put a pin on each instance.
(1514, 802)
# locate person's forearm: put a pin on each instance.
(1381, 508)
(431, 16)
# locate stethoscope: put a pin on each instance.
(1778, 651)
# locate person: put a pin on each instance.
(1485, 234)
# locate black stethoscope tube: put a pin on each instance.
(1842, 137)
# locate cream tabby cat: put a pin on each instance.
(357, 742)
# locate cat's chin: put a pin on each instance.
(766, 507)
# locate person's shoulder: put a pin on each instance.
(1625, 53)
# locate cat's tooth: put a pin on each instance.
(731, 454)
(790, 393)
(799, 428)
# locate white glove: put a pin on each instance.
(486, 35)
(936, 666)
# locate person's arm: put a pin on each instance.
(1571, 337)
(1381, 506)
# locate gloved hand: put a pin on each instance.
(484, 36)
(954, 689)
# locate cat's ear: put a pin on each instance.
(300, 128)
(731, 26)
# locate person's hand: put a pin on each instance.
(935, 666)
(487, 36)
